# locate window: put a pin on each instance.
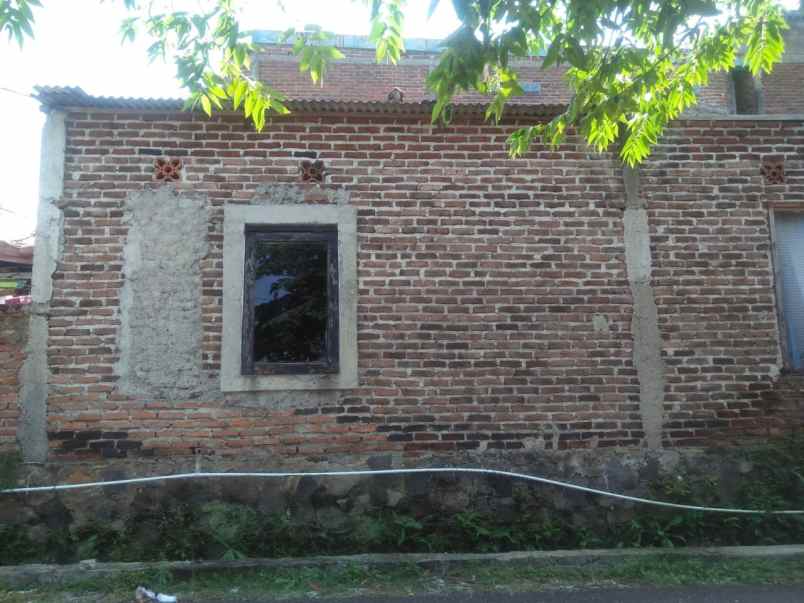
(289, 298)
(746, 93)
(789, 231)
(290, 313)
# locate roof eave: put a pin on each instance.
(57, 97)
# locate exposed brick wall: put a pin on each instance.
(358, 77)
(717, 96)
(13, 338)
(783, 89)
(494, 310)
(713, 273)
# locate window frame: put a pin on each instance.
(318, 233)
(284, 389)
(778, 288)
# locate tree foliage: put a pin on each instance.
(632, 65)
(16, 18)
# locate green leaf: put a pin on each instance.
(218, 92)
(240, 89)
(206, 105)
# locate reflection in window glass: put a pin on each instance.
(290, 301)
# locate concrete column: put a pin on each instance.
(32, 425)
(645, 321)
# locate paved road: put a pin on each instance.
(697, 594)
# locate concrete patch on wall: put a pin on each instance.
(600, 323)
(160, 302)
(293, 194)
(645, 322)
(32, 425)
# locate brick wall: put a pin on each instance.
(714, 284)
(494, 309)
(358, 77)
(13, 338)
(783, 89)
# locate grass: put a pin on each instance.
(354, 580)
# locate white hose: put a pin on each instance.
(359, 472)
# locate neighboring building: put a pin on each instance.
(15, 286)
(355, 281)
(15, 273)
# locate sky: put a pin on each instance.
(77, 43)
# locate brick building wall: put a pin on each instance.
(783, 89)
(358, 77)
(709, 209)
(13, 337)
(494, 311)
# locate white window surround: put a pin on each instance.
(235, 219)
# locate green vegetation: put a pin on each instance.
(219, 530)
(232, 586)
(9, 469)
(633, 65)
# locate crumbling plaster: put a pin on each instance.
(160, 302)
(645, 321)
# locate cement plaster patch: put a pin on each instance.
(645, 321)
(160, 302)
(32, 425)
(236, 217)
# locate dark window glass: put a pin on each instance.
(290, 314)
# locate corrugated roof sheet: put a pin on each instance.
(72, 96)
(64, 97)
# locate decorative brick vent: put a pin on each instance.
(167, 170)
(773, 171)
(312, 171)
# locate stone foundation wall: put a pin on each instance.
(333, 502)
